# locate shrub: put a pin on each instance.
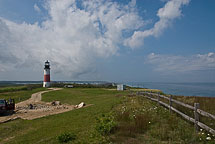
(105, 124)
(66, 137)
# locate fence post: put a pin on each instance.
(170, 103)
(158, 98)
(196, 115)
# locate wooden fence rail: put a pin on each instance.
(196, 109)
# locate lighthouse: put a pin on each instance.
(46, 82)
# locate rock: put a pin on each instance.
(31, 106)
(208, 138)
(55, 103)
(82, 104)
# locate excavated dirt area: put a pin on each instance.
(34, 108)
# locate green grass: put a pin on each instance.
(80, 121)
(138, 120)
(20, 95)
(12, 88)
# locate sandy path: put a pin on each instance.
(40, 109)
(35, 98)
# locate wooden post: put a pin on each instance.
(158, 98)
(170, 103)
(196, 115)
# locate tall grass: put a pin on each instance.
(145, 121)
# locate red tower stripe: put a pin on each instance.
(46, 78)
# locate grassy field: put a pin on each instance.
(81, 121)
(12, 88)
(18, 93)
(136, 120)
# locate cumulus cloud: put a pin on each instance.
(181, 64)
(76, 33)
(72, 38)
(36, 8)
(166, 14)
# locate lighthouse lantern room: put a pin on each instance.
(46, 82)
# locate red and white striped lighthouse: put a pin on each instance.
(46, 82)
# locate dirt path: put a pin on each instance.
(35, 98)
(35, 108)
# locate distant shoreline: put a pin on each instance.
(199, 89)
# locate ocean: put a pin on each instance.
(185, 89)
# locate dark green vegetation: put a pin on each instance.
(66, 137)
(117, 117)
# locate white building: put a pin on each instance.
(120, 87)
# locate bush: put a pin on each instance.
(66, 137)
(105, 124)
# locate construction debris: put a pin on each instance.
(82, 104)
(56, 103)
(34, 108)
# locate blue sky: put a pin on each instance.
(119, 40)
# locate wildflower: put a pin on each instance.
(208, 134)
(208, 138)
(149, 122)
(200, 139)
(201, 129)
(203, 133)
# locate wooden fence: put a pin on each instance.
(195, 108)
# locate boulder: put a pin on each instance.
(56, 103)
(82, 104)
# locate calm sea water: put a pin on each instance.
(186, 89)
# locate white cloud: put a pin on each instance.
(181, 64)
(36, 8)
(72, 38)
(169, 12)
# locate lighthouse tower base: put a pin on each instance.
(46, 84)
